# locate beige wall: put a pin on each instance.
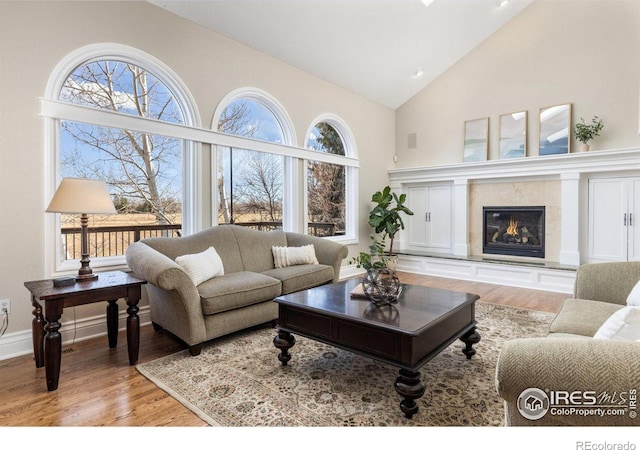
(582, 52)
(35, 36)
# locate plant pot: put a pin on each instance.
(392, 262)
(584, 147)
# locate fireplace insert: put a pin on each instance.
(513, 230)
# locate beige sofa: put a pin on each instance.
(240, 298)
(570, 360)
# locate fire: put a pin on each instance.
(512, 229)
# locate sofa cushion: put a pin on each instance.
(235, 290)
(221, 237)
(255, 247)
(582, 317)
(297, 278)
(623, 325)
(202, 266)
(293, 256)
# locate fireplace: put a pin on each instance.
(513, 230)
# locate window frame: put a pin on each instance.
(288, 135)
(54, 110)
(351, 177)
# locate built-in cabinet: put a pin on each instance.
(430, 228)
(614, 219)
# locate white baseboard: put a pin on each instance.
(21, 342)
(524, 276)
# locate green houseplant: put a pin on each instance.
(385, 217)
(374, 258)
(584, 132)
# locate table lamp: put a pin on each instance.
(82, 196)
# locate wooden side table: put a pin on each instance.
(109, 287)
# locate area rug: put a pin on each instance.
(237, 380)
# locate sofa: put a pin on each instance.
(238, 292)
(570, 367)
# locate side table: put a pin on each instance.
(109, 287)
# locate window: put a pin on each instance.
(144, 170)
(250, 183)
(326, 184)
(331, 187)
(266, 182)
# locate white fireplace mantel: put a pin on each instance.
(572, 170)
(540, 167)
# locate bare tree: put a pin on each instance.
(326, 182)
(259, 186)
(141, 167)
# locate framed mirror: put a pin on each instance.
(513, 135)
(555, 130)
(476, 139)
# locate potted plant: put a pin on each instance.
(374, 258)
(584, 133)
(385, 217)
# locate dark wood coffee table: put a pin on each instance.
(405, 334)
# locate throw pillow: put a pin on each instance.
(202, 266)
(293, 256)
(623, 325)
(634, 296)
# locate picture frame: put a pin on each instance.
(513, 135)
(555, 130)
(476, 140)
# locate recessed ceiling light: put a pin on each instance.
(427, 2)
(418, 73)
(503, 3)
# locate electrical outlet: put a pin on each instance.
(5, 303)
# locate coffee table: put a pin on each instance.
(405, 334)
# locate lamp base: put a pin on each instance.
(87, 277)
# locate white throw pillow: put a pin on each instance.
(293, 256)
(623, 325)
(634, 296)
(202, 266)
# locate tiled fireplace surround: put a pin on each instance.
(559, 182)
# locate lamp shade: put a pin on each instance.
(81, 196)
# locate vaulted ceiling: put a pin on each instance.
(385, 50)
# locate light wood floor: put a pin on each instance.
(98, 387)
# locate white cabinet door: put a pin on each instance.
(439, 224)
(417, 224)
(431, 226)
(633, 223)
(614, 209)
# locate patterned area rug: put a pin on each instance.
(237, 380)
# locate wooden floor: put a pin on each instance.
(98, 387)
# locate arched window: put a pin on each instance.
(145, 171)
(330, 186)
(250, 185)
(264, 180)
